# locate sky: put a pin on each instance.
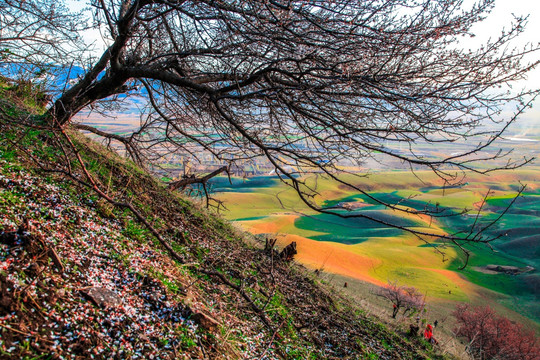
(500, 18)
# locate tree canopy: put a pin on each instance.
(304, 84)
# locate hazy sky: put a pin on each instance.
(500, 18)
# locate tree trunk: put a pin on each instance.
(85, 93)
(64, 109)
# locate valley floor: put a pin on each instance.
(372, 254)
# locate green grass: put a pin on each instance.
(400, 261)
(353, 230)
(25, 96)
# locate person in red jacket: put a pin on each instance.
(428, 334)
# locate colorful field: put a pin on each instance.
(365, 250)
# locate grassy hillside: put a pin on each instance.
(81, 277)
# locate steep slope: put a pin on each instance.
(81, 277)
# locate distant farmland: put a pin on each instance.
(367, 251)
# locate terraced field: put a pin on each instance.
(368, 251)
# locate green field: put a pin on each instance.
(267, 205)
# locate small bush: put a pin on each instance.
(402, 297)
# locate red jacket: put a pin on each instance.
(428, 333)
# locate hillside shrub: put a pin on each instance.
(491, 336)
(403, 297)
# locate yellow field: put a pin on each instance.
(274, 210)
(376, 261)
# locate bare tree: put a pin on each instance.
(306, 85)
(403, 298)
